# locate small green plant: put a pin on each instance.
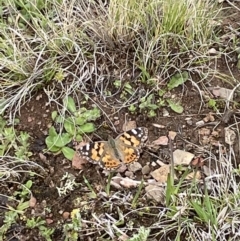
(41, 226)
(127, 89)
(135, 199)
(15, 213)
(72, 229)
(76, 123)
(9, 140)
(93, 194)
(206, 209)
(151, 102)
(142, 235)
(25, 191)
(213, 104)
(175, 81)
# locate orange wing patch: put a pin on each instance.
(130, 140)
(130, 155)
(109, 162)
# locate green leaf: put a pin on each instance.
(161, 92)
(86, 128)
(54, 115)
(128, 88)
(90, 115)
(212, 104)
(52, 132)
(62, 140)
(200, 211)
(80, 120)
(23, 206)
(175, 106)
(69, 126)
(117, 83)
(68, 152)
(9, 132)
(78, 137)
(51, 145)
(59, 119)
(177, 79)
(151, 113)
(28, 184)
(70, 104)
(132, 108)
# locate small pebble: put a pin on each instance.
(189, 122)
(129, 174)
(200, 123)
(146, 169)
(160, 163)
(66, 215)
(136, 166)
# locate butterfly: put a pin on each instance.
(112, 153)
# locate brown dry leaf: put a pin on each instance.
(32, 202)
(42, 157)
(172, 135)
(78, 161)
(129, 125)
(204, 132)
(197, 162)
(209, 117)
(162, 140)
(223, 93)
(49, 221)
(215, 133)
(194, 175)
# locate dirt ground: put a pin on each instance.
(35, 118)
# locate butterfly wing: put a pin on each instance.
(129, 144)
(100, 153)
